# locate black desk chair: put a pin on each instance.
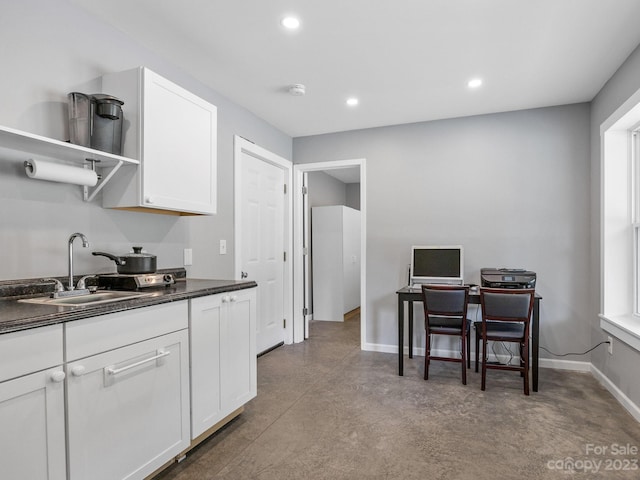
(506, 316)
(445, 313)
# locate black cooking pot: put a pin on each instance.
(136, 262)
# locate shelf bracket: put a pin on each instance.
(106, 176)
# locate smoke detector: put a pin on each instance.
(297, 90)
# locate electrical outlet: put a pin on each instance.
(610, 345)
(223, 247)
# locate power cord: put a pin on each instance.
(543, 348)
(572, 353)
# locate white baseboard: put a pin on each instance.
(419, 351)
(619, 395)
(382, 348)
(565, 364)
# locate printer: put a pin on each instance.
(507, 278)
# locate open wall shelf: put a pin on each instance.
(16, 145)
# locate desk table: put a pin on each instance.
(410, 295)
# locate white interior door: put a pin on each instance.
(262, 244)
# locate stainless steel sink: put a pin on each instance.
(90, 299)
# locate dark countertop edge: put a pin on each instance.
(192, 288)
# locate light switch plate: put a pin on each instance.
(223, 247)
(188, 256)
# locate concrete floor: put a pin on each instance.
(327, 410)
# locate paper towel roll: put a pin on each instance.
(56, 172)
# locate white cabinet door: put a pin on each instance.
(238, 369)
(174, 135)
(32, 433)
(128, 409)
(205, 329)
(223, 356)
(32, 428)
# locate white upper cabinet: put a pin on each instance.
(174, 135)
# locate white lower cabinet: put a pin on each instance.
(128, 407)
(223, 356)
(131, 404)
(32, 435)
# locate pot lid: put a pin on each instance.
(137, 252)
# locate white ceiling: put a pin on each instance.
(406, 60)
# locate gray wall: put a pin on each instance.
(619, 368)
(50, 49)
(353, 195)
(325, 190)
(512, 188)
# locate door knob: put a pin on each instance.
(244, 274)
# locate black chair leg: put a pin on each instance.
(484, 364)
(464, 357)
(468, 346)
(477, 349)
(526, 368)
(427, 354)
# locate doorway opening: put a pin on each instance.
(301, 240)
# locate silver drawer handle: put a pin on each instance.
(116, 371)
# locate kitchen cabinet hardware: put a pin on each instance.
(57, 376)
(115, 371)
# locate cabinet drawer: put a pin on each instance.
(107, 332)
(29, 351)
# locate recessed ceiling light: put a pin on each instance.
(352, 102)
(297, 90)
(290, 22)
(474, 83)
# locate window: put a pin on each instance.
(620, 223)
(635, 215)
(634, 149)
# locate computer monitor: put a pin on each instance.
(437, 265)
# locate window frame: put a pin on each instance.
(634, 148)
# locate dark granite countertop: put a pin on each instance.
(15, 315)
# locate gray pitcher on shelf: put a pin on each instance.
(95, 121)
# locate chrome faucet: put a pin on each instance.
(85, 244)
